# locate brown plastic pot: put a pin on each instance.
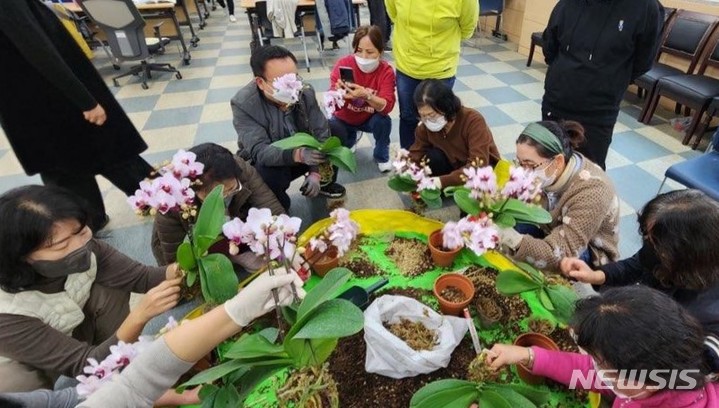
(460, 282)
(321, 264)
(528, 340)
(440, 256)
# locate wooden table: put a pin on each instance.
(302, 5)
(159, 11)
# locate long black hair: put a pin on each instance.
(27, 216)
(438, 96)
(682, 227)
(639, 328)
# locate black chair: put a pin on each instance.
(685, 37)
(489, 8)
(124, 28)
(536, 40)
(696, 91)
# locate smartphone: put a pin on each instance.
(346, 74)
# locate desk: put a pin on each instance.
(158, 11)
(302, 5)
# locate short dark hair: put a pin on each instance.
(683, 226)
(639, 328)
(569, 132)
(373, 32)
(27, 216)
(220, 163)
(438, 96)
(259, 58)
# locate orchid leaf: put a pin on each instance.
(448, 191)
(537, 396)
(445, 393)
(310, 352)
(298, 140)
(545, 300)
(524, 212)
(215, 373)
(465, 202)
(217, 277)
(210, 219)
(255, 376)
(325, 290)
(505, 220)
(332, 319)
(186, 258)
(511, 282)
(191, 278)
(563, 299)
(515, 399)
(343, 158)
(207, 395)
(492, 399)
(401, 184)
(227, 396)
(330, 144)
(433, 198)
(261, 344)
(533, 272)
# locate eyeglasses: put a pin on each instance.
(529, 164)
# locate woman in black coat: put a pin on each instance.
(59, 116)
(680, 232)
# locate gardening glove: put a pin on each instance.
(311, 186)
(310, 157)
(510, 238)
(256, 299)
(437, 182)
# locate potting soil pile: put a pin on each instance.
(374, 255)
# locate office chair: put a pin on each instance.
(123, 26)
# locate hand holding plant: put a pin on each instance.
(506, 354)
(413, 178)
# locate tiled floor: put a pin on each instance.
(175, 114)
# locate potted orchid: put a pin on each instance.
(414, 178)
(290, 87)
(171, 191)
(477, 233)
(324, 250)
(508, 194)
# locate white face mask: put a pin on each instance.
(435, 125)
(546, 181)
(281, 97)
(367, 65)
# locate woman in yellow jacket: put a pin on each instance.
(426, 41)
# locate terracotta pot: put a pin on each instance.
(440, 256)
(460, 282)
(528, 340)
(321, 264)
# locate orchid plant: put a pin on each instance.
(288, 86)
(333, 100)
(316, 325)
(477, 233)
(339, 234)
(172, 191)
(121, 354)
(337, 155)
(508, 194)
(414, 178)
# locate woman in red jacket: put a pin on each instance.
(369, 96)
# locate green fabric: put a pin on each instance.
(544, 137)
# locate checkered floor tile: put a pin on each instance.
(492, 78)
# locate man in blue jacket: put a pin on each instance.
(594, 49)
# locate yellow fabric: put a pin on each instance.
(427, 34)
(72, 29)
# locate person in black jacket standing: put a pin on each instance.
(59, 116)
(594, 49)
(678, 255)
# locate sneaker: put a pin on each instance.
(384, 167)
(233, 19)
(333, 190)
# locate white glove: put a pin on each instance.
(256, 299)
(509, 237)
(437, 182)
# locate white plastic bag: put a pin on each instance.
(388, 355)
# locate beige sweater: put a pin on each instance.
(585, 215)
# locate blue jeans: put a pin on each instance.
(408, 117)
(379, 125)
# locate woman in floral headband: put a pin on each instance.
(577, 193)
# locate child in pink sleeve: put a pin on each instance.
(623, 329)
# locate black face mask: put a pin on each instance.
(648, 255)
(76, 261)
